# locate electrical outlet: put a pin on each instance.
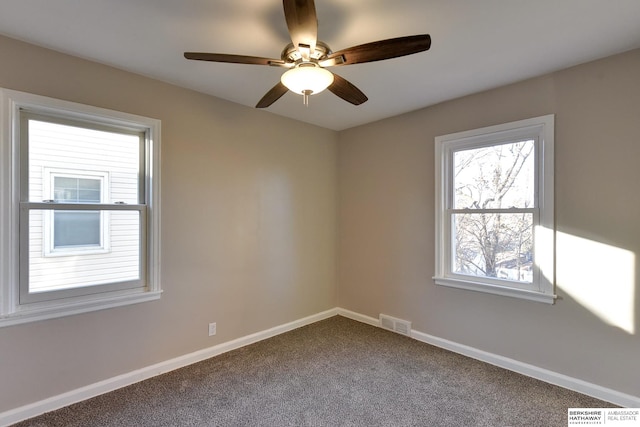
(212, 329)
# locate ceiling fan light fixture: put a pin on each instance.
(308, 56)
(307, 79)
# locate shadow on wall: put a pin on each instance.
(600, 277)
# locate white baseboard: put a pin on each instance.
(584, 387)
(358, 317)
(56, 402)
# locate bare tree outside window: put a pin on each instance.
(491, 236)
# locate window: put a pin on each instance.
(494, 209)
(80, 211)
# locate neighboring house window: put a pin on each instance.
(494, 209)
(80, 196)
(76, 232)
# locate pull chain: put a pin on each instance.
(305, 97)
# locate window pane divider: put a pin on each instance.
(492, 211)
(82, 206)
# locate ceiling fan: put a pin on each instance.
(306, 57)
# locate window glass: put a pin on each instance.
(82, 149)
(495, 176)
(72, 165)
(86, 269)
(78, 190)
(498, 245)
(76, 228)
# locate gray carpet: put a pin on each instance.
(336, 372)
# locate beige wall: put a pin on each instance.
(386, 225)
(248, 230)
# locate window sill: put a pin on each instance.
(496, 290)
(37, 312)
(54, 253)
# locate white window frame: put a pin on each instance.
(541, 130)
(13, 310)
(48, 232)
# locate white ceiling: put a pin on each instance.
(476, 44)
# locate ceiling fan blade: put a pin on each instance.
(272, 96)
(233, 59)
(302, 23)
(377, 51)
(347, 91)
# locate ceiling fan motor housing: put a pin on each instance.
(291, 54)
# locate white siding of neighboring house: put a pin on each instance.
(53, 148)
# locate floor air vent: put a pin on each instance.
(396, 325)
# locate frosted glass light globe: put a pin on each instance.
(307, 79)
